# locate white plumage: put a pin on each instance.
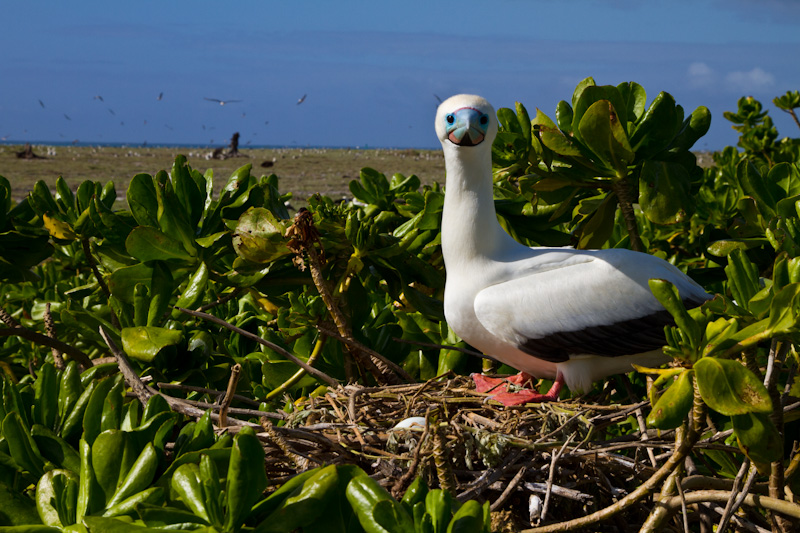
(574, 315)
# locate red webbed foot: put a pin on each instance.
(498, 389)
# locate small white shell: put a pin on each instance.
(412, 422)
(535, 504)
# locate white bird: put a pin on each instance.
(575, 316)
(221, 102)
(301, 99)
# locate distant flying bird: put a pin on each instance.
(575, 316)
(41, 104)
(221, 102)
(145, 122)
(243, 114)
(111, 111)
(302, 99)
(266, 122)
(98, 97)
(160, 96)
(168, 127)
(67, 116)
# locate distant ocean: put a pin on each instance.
(211, 146)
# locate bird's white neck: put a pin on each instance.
(470, 230)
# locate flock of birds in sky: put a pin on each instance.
(159, 98)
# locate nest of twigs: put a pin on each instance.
(537, 464)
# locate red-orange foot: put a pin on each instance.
(498, 389)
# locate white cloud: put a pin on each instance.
(700, 75)
(754, 80)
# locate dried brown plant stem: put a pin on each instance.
(44, 340)
(87, 251)
(222, 299)
(376, 357)
(204, 390)
(402, 482)
(271, 345)
(144, 392)
(279, 441)
(722, 496)
(622, 189)
(304, 238)
(226, 400)
(683, 449)
(9, 320)
(777, 353)
(441, 459)
(50, 329)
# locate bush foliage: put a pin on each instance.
(194, 286)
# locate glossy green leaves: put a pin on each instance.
(729, 388)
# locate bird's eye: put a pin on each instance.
(450, 119)
(484, 120)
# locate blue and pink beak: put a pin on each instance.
(466, 126)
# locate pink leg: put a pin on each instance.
(498, 389)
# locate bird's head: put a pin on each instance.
(466, 120)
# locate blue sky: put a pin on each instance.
(370, 69)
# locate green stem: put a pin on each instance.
(292, 381)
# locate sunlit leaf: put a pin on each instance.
(730, 388)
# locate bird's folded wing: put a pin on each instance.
(589, 307)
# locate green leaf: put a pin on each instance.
(783, 313)
(664, 192)
(56, 497)
(564, 116)
(552, 137)
(695, 126)
(635, 99)
(657, 127)
(470, 518)
(415, 493)
(122, 282)
(149, 244)
(597, 230)
(365, 495)
(309, 502)
(106, 456)
(152, 496)
(743, 279)
(258, 236)
(753, 184)
(144, 343)
(602, 130)
(101, 524)
(439, 505)
(19, 509)
(160, 293)
(45, 407)
(193, 291)
(55, 449)
(21, 445)
(246, 477)
(671, 409)
(582, 85)
(138, 477)
(730, 388)
(142, 200)
(186, 484)
(668, 295)
(758, 437)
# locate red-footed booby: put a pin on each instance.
(576, 316)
